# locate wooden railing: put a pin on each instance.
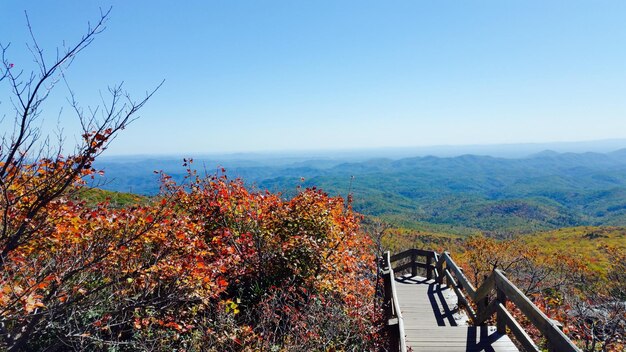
(410, 261)
(488, 299)
(395, 323)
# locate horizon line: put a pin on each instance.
(300, 152)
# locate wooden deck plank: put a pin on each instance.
(433, 322)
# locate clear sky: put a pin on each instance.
(302, 75)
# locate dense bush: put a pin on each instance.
(209, 265)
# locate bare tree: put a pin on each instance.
(27, 154)
(34, 172)
(598, 305)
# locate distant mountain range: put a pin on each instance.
(463, 194)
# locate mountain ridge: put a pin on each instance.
(467, 192)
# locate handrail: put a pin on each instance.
(556, 338)
(394, 315)
(413, 264)
(484, 299)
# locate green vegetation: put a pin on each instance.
(554, 222)
(473, 193)
(93, 196)
(586, 242)
(462, 195)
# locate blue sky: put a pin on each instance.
(247, 76)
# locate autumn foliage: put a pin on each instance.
(589, 304)
(212, 265)
(209, 265)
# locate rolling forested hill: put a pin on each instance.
(460, 194)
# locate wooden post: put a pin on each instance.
(445, 265)
(500, 319)
(429, 269)
(387, 292)
(394, 337)
(482, 304)
(386, 275)
(441, 266)
(413, 263)
(557, 340)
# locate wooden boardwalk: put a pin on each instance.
(423, 314)
(433, 322)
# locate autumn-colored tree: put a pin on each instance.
(588, 304)
(33, 169)
(484, 254)
(597, 306)
(35, 180)
(208, 265)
